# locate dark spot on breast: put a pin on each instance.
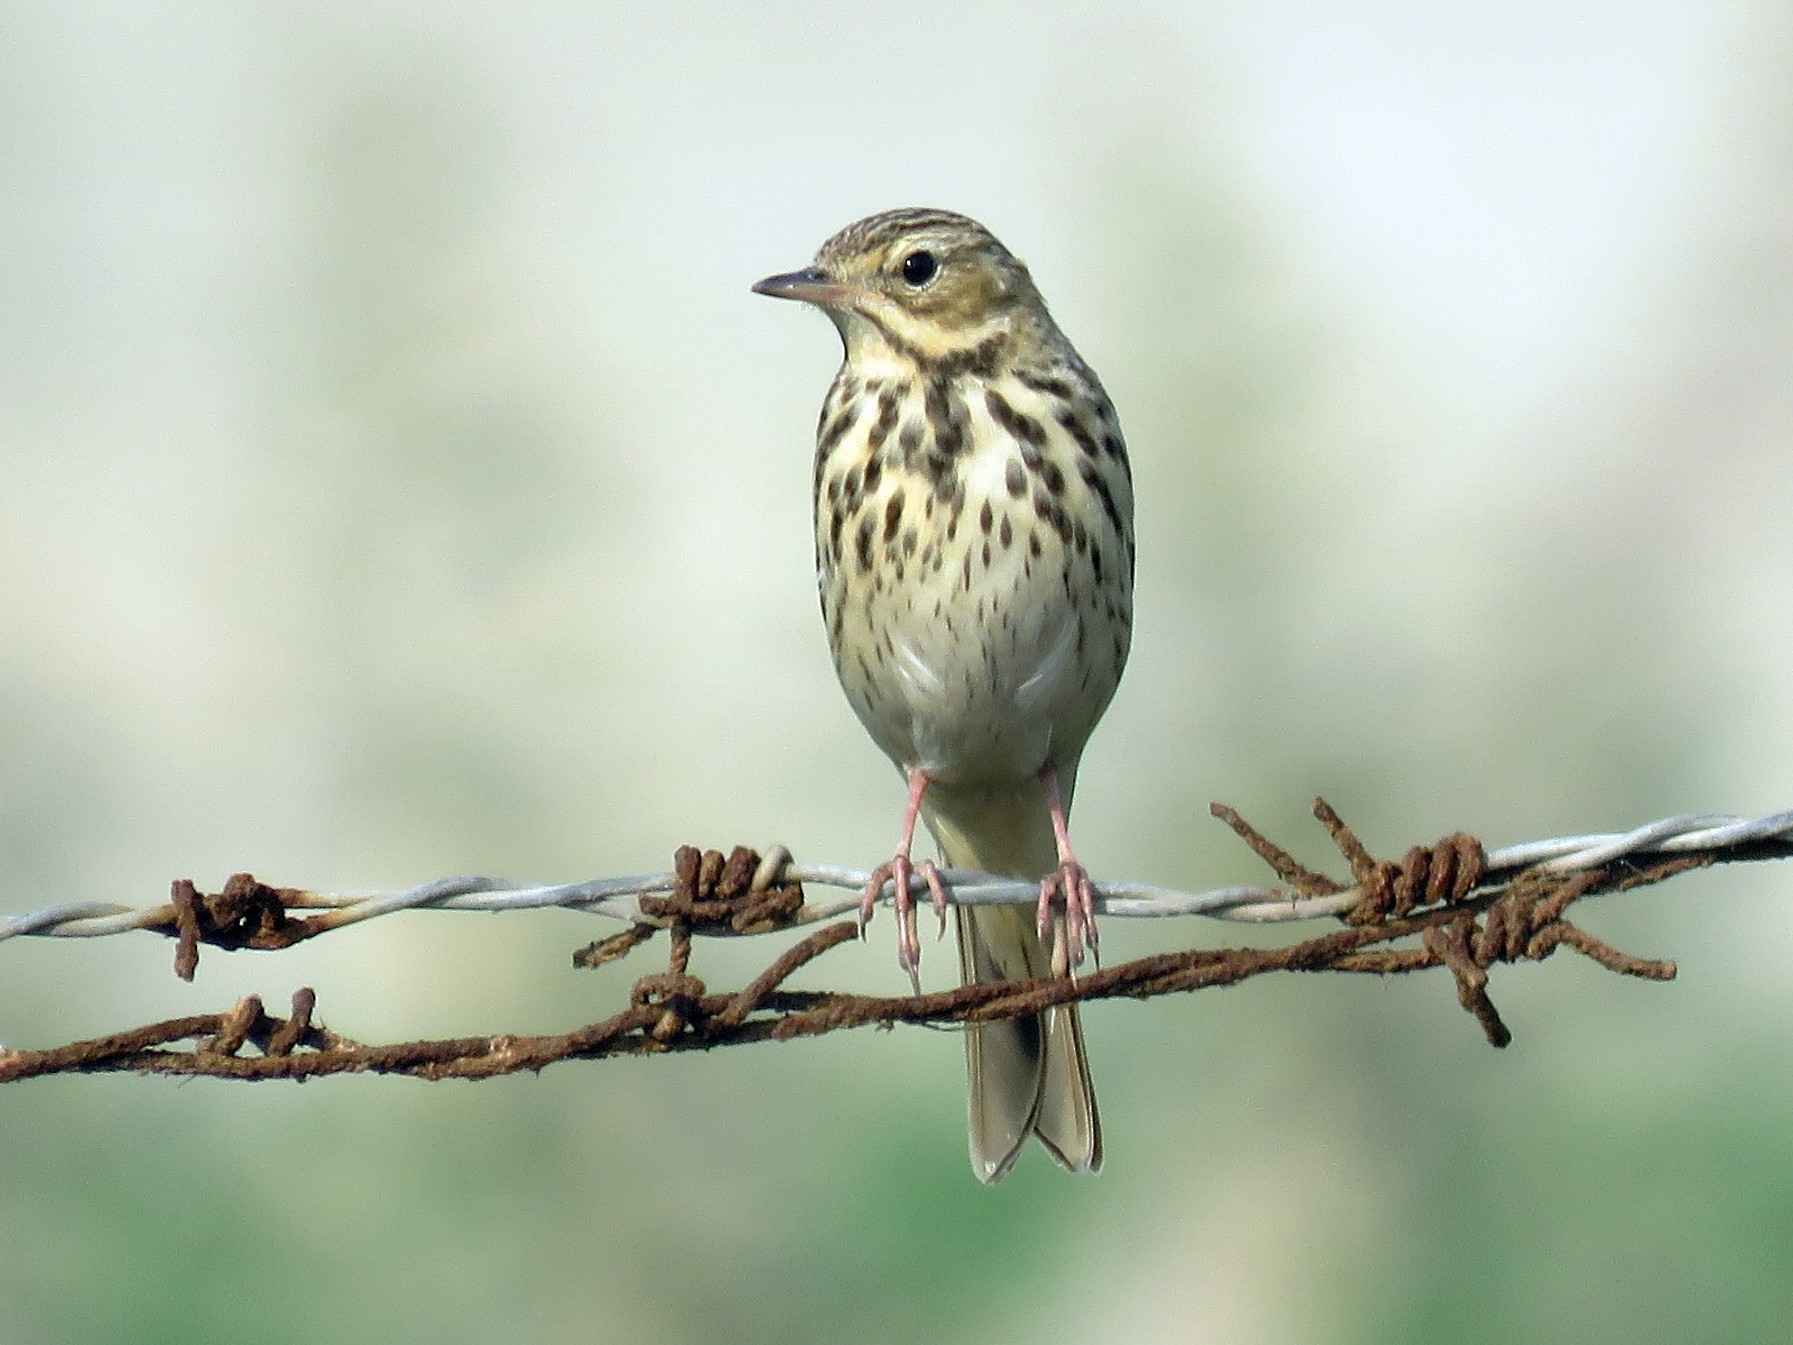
(1006, 533)
(1053, 514)
(1015, 478)
(893, 514)
(1051, 477)
(1033, 544)
(1046, 384)
(1074, 426)
(874, 473)
(834, 526)
(909, 540)
(1092, 477)
(909, 442)
(938, 471)
(945, 416)
(986, 518)
(830, 432)
(862, 547)
(1012, 422)
(986, 555)
(885, 423)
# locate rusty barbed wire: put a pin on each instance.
(1466, 908)
(249, 908)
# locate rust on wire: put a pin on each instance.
(1436, 907)
(1303, 879)
(246, 914)
(1447, 872)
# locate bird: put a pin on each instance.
(974, 547)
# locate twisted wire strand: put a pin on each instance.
(1713, 835)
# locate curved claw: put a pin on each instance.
(908, 945)
(936, 894)
(1080, 911)
(868, 899)
(900, 873)
(1078, 934)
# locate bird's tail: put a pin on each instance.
(1027, 1076)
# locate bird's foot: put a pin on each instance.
(899, 872)
(1077, 933)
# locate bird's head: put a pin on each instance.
(923, 284)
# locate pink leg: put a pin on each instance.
(1072, 881)
(899, 872)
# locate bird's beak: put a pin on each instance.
(812, 285)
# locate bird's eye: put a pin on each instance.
(919, 268)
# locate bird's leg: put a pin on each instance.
(898, 873)
(1071, 880)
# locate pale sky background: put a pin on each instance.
(398, 479)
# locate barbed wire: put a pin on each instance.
(1451, 905)
(1718, 837)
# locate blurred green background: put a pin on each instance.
(397, 479)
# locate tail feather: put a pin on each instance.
(1068, 1123)
(1026, 1076)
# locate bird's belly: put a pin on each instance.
(976, 672)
